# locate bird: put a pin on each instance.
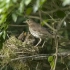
(38, 31)
(22, 36)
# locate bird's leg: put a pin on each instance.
(43, 44)
(38, 42)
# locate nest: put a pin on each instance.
(14, 49)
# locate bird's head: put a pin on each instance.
(29, 21)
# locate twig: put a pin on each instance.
(36, 17)
(56, 53)
(49, 26)
(54, 10)
(17, 25)
(60, 23)
(41, 56)
(38, 56)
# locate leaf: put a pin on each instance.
(21, 7)
(66, 2)
(3, 18)
(51, 61)
(50, 58)
(38, 4)
(14, 1)
(7, 1)
(4, 35)
(42, 23)
(27, 2)
(42, 2)
(52, 64)
(14, 17)
(28, 11)
(0, 34)
(2, 4)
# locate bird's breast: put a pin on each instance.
(34, 33)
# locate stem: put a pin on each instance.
(56, 53)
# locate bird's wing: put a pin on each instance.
(41, 30)
(45, 32)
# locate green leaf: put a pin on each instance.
(0, 34)
(28, 11)
(4, 35)
(21, 7)
(14, 17)
(38, 4)
(66, 2)
(14, 1)
(50, 58)
(42, 2)
(3, 18)
(27, 2)
(42, 23)
(2, 4)
(52, 64)
(51, 61)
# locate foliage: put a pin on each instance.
(53, 15)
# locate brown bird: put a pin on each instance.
(38, 31)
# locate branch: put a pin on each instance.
(49, 26)
(60, 23)
(17, 25)
(41, 56)
(36, 17)
(56, 53)
(54, 10)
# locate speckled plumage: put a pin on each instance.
(37, 30)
